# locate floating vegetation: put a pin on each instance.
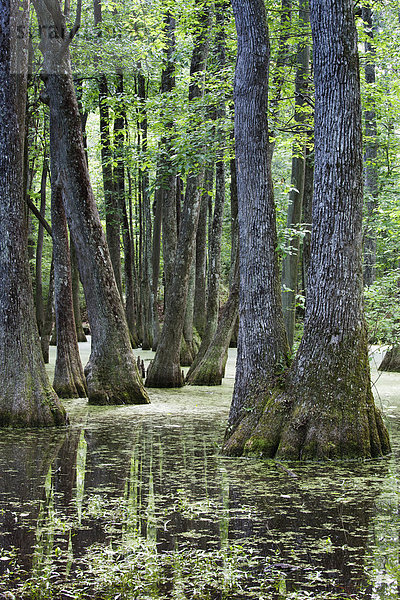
(137, 503)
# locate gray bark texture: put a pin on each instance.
(48, 317)
(262, 344)
(111, 373)
(26, 397)
(80, 334)
(327, 409)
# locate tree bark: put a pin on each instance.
(262, 343)
(69, 380)
(26, 398)
(327, 409)
(200, 295)
(111, 373)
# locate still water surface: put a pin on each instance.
(155, 472)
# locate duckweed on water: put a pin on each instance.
(137, 503)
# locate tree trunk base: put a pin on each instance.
(70, 388)
(324, 413)
(170, 376)
(115, 384)
(391, 360)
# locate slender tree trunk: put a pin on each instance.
(146, 283)
(80, 334)
(155, 258)
(262, 343)
(26, 398)
(200, 295)
(165, 370)
(111, 373)
(371, 153)
(48, 317)
(39, 251)
(327, 409)
(307, 213)
(69, 380)
(210, 370)
(290, 266)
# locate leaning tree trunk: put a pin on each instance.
(165, 369)
(26, 397)
(69, 379)
(262, 343)
(210, 370)
(111, 373)
(327, 409)
(391, 360)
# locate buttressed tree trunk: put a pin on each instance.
(262, 343)
(111, 373)
(26, 396)
(327, 409)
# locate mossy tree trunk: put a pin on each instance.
(262, 344)
(69, 379)
(327, 409)
(111, 373)
(26, 397)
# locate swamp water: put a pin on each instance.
(137, 502)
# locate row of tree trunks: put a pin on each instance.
(26, 396)
(165, 369)
(112, 375)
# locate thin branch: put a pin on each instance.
(40, 218)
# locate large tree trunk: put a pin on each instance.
(69, 380)
(290, 265)
(26, 397)
(112, 374)
(165, 370)
(262, 343)
(200, 294)
(327, 409)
